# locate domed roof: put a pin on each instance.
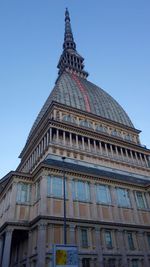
(73, 89)
(81, 94)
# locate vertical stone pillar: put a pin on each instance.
(7, 248)
(83, 146)
(1, 248)
(77, 141)
(41, 243)
(89, 146)
(100, 147)
(106, 149)
(146, 162)
(112, 154)
(134, 206)
(72, 234)
(98, 248)
(70, 137)
(43, 194)
(70, 211)
(122, 247)
(29, 248)
(13, 201)
(64, 137)
(57, 135)
(94, 146)
(93, 206)
(143, 247)
(50, 135)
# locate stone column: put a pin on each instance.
(98, 248)
(50, 135)
(57, 135)
(121, 246)
(142, 245)
(83, 143)
(13, 201)
(106, 150)
(41, 243)
(43, 194)
(70, 137)
(94, 146)
(7, 248)
(72, 234)
(64, 137)
(29, 248)
(100, 147)
(1, 248)
(93, 206)
(89, 146)
(134, 206)
(77, 141)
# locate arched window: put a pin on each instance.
(128, 137)
(86, 123)
(101, 128)
(115, 133)
(69, 118)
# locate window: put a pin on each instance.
(23, 192)
(55, 187)
(69, 118)
(108, 239)
(103, 194)
(86, 123)
(140, 199)
(123, 197)
(81, 191)
(135, 263)
(130, 241)
(85, 262)
(148, 239)
(84, 238)
(100, 128)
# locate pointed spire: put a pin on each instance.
(70, 60)
(68, 36)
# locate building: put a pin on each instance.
(107, 174)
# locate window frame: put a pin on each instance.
(51, 180)
(130, 238)
(84, 239)
(86, 190)
(20, 198)
(138, 200)
(126, 202)
(109, 244)
(99, 188)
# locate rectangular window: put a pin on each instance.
(140, 199)
(148, 239)
(85, 262)
(84, 238)
(81, 191)
(23, 193)
(123, 197)
(55, 187)
(103, 194)
(130, 241)
(108, 239)
(135, 263)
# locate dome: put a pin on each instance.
(81, 94)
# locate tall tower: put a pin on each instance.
(107, 178)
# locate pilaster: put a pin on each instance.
(7, 247)
(41, 249)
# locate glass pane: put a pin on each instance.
(84, 238)
(140, 200)
(57, 187)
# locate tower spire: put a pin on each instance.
(70, 60)
(68, 36)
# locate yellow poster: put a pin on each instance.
(61, 257)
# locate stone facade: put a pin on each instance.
(107, 174)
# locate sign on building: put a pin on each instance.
(65, 256)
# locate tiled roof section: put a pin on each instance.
(68, 92)
(96, 172)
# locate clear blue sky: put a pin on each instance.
(112, 35)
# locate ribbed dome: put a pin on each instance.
(79, 93)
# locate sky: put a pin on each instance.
(112, 35)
